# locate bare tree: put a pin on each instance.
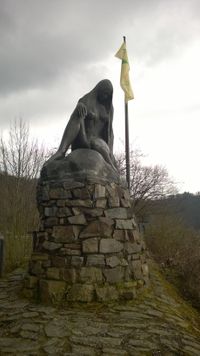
(21, 159)
(147, 183)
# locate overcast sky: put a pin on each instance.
(54, 51)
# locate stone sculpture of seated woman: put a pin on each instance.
(90, 125)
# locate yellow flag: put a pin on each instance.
(124, 79)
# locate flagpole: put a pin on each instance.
(127, 151)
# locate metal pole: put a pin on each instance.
(1, 255)
(127, 146)
(127, 140)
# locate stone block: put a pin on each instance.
(143, 257)
(72, 185)
(90, 245)
(134, 222)
(31, 282)
(58, 261)
(130, 284)
(132, 247)
(114, 275)
(46, 263)
(71, 252)
(53, 273)
(125, 203)
(77, 261)
(113, 202)
(44, 194)
(78, 202)
(30, 293)
(68, 275)
(105, 221)
(145, 269)
(124, 224)
(127, 293)
(106, 293)
(63, 234)
(76, 230)
(143, 245)
(100, 191)
(101, 203)
(113, 261)
(63, 221)
(136, 268)
(111, 190)
(116, 213)
(50, 211)
(131, 236)
(101, 227)
(128, 274)
(120, 235)
(106, 229)
(90, 187)
(37, 256)
(134, 257)
(95, 260)
(114, 191)
(63, 212)
(52, 291)
(60, 203)
(51, 221)
(73, 246)
(51, 246)
(81, 293)
(77, 220)
(81, 193)
(59, 193)
(76, 211)
(48, 231)
(92, 212)
(36, 268)
(93, 229)
(90, 275)
(126, 195)
(124, 262)
(40, 237)
(110, 246)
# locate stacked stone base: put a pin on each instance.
(88, 247)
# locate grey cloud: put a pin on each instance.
(42, 41)
(165, 30)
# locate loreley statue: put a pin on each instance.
(90, 125)
(88, 245)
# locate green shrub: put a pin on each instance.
(17, 251)
(177, 249)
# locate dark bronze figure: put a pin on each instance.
(90, 125)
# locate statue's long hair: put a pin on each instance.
(92, 99)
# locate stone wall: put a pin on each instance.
(88, 246)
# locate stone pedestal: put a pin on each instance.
(88, 246)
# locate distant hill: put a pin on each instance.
(186, 205)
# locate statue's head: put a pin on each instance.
(104, 91)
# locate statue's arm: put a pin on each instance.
(111, 138)
(71, 131)
(110, 132)
(73, 127)
(83, 134)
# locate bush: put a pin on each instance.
(17, 251)
(177, 249)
